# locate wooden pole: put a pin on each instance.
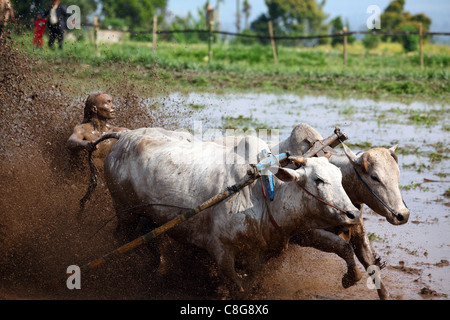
(95, 30)
(421, 45)
(210, 23)
(210, 53)
(155, 25)
(345, 46)
(272, 40)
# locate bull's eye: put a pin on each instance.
(318, 181)
(375, 179)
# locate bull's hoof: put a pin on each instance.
(379, 263)
(351, 278)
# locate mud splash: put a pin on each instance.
(42, 182)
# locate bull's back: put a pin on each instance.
(143, 169)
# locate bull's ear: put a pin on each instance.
(356, 161)
(393, 154)
(285, 174)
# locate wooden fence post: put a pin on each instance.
(155, 25)
(272, 40)
(210, 23)
(345, 46)
(95, 30)
(421, 45)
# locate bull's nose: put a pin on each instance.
(403, 216)
(350, 215)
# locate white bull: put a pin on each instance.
(379, 169)
(146, 171)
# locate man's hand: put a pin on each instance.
(90, 146)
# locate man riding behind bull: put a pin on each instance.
(98, 109)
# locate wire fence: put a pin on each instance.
(315, 36)
(344, 34)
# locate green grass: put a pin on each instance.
(386, 71)
(241, 122)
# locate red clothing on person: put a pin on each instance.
(39, 29)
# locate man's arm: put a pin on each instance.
(11, 11)
(77, 142)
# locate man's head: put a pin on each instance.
(100, 104)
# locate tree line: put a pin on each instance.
(289, 17)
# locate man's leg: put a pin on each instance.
(51, 37)
(60, 38)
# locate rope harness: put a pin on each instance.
(269, 212)
(323, 201)
(399, 217)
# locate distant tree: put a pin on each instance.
(336, 26)
(260, 26)
(297, 16)
(292, 17)
(136, 13)
(238, 15)
(217, 14)
(246, 9)
(371, 41)
(394, 18)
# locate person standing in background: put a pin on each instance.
(39, 29)
(57, 16)
(6, 13)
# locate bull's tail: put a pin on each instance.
(93, 170)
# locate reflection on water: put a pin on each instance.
(421, 130)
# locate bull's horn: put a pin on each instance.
(393, 154)
(357, 161)
(394, 147)
(349, 153)
(298, 160)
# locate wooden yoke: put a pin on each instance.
(321, 148)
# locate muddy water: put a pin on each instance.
(42, 182)
(416, 254)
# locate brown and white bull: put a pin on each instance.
(378, 168)
(149, 173)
